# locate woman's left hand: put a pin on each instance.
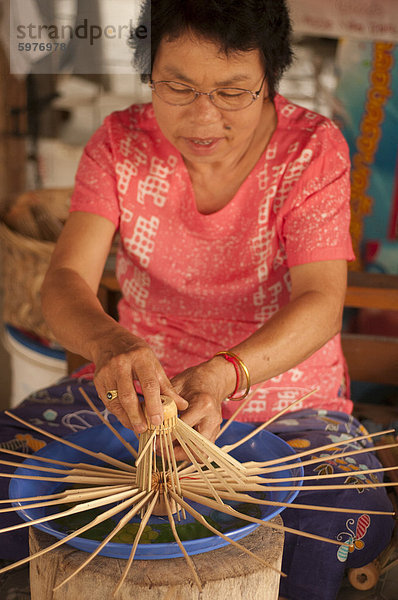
(204, 387)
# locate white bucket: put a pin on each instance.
(33, 365)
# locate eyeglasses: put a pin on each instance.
(225, 98)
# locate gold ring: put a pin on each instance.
(112, 394)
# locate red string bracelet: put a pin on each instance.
(237, 362)
(236, 367)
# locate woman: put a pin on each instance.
(232, 207)
(234, 231)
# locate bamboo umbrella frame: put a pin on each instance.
(210, 477)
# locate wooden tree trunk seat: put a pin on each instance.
(226, 573)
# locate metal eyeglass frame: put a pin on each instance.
(255, 95)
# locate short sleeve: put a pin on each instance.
(316, 218)
(95, 183)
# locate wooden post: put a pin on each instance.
(225, 573)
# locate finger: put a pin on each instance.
(122, 417)
(129, 400)
(125, 406)
(180, 455)
(209, 428)
(112, 405)
(204, 415)
(175, 389)
(169, 391)
(150, 386)
(207, 431)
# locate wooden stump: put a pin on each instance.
(226, 573)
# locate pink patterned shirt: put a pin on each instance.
(195, 284)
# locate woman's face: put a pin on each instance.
(202, 132)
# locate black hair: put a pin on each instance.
(236, 25)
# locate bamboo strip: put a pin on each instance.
(181, 546)
(230, 511)
(123, 521)
(314, 461)
(328, 475)
(53, 496)
(74, 471)
(67, 479)
(212, 449)
(72, 511)
(150, 460)
(339, 487)
(121, 439)
(164, 470)
(200, 490)
(136, 541)
(214, 482)
(294, 457)
(217, 473)
(187, 451)
(177, 479)
(53, 461)
(255, 475)
(196, 515)
(284, 461)
(98, 455)
(145, 460)
(68, 498)
(183, 465)
(230, 447)
(288, 408)
(235, 414)
(214, 452)
(145, 448)
(99, 519)
(239, 497)
(139, 471)
(173, 475)
(290, 488)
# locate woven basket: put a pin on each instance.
(24, 262)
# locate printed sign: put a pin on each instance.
(373, 20)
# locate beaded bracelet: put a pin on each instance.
(237, 362)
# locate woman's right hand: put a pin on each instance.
(122, 359)
(74, 313)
